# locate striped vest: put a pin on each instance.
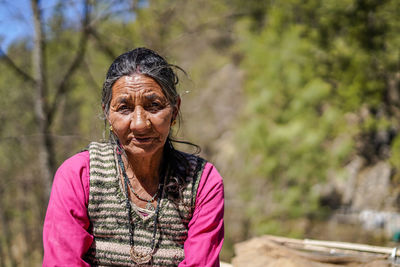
(109, 216)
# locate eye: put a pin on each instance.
(123, 109)
(154, 106)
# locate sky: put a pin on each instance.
(16, 16)
(16, 19)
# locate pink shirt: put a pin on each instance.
(65, 236)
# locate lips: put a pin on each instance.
(142, 139)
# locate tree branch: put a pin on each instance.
(92, 80)
(16, 69)
(62, 87)
(39, 68)
(104, 47)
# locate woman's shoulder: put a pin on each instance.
(100, 147)
(82, 158)
(211, 176)
(71, 180)
(77, 161)
(74, 169)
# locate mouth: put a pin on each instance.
(142, 139)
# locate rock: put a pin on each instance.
(350, 185)
(265, 252)
(373, 187)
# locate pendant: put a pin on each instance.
(139, 257)
(149, 206)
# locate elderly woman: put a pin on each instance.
(136, 200)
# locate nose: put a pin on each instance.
(139, 120)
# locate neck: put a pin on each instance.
(146, 169)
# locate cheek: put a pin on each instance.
(162, 123)
(118, 121)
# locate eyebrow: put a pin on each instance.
(122, 99)
(152, 96)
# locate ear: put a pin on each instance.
(176, 108)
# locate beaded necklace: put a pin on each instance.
(139, 257)
(149, 206)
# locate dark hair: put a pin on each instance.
(148, 62)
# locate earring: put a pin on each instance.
(111, 128)
(173, 122)
(148, 123)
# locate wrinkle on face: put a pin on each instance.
(137, 100)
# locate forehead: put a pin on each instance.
(136, 83)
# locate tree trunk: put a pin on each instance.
(7, 237)
(45, 144)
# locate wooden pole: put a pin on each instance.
(315, 244)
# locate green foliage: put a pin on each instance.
(288, 121)
(395, 158)
(311, 68)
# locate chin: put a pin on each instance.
(142, 151)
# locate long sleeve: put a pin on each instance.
(206, 228)
(65, 236)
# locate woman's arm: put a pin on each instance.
(65, 236)
(206, 228)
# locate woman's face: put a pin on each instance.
(140, 115)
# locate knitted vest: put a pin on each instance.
(108, 215)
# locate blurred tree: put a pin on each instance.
(321, 86)
(45, 107)
(69, 64)
(41, 97)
